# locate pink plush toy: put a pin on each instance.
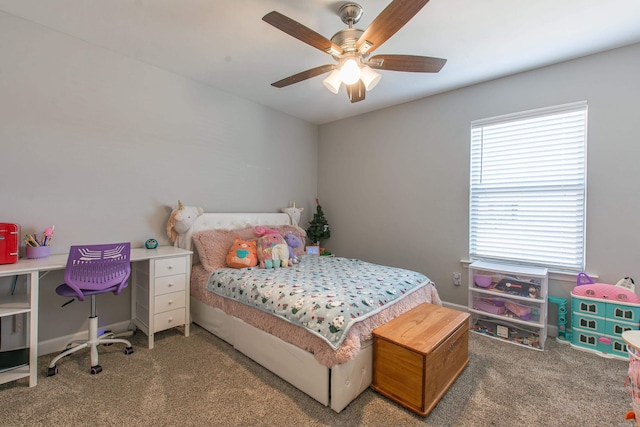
(272, 248)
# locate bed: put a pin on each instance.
(334, 368)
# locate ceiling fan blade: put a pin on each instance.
(411, 63)
(303, 75)
(390, 20)
(302, 33)
(356, 91)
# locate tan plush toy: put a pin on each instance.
(180, 221)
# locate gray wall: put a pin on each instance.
(394, 183)
(102, 146)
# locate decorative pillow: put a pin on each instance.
(242, 254)
(213, 245)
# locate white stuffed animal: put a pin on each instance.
(294, 213)
(180, 221)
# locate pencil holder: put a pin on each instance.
(35, 252)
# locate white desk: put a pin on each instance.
(167, 267)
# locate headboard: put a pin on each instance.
(230, 221)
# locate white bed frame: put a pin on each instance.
(335, 387)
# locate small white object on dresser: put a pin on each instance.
(161, 291)
(509, 302)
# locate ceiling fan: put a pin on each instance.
(351, 48)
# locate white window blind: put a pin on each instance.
(528, 187)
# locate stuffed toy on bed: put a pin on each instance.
(180, 221)
(293, 242)
(294, 213)
(243, 253)
(273, 251)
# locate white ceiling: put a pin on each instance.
(225, 43)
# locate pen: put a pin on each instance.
(48, 234)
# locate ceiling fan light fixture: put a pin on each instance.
(350, 71)
(350, 48)
(369, 77)
(333, 81)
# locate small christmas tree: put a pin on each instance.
(318, 227)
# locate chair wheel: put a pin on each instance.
(128, 350)
(52, 371)
(96, 369)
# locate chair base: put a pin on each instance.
(92, 343)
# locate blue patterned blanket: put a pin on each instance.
(325, 295)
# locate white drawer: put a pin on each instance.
(169, 266)
(169, 319)
(170, 301)
(167, 284)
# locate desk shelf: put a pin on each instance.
(14, 304)
(15, 374)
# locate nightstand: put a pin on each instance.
(161, 291)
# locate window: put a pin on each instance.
(588, 308)
(622, 314)
(619, 329)
(589, 324)
(528, 187)
(586, 339)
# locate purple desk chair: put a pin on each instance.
(93, 270)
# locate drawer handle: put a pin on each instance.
(170, 302)
(170, 284)
(170, 320)
(169, 267)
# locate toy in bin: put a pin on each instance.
(517, 287)
(519, 334)
(488, 305)
(521, 311)
(482, 280)
(506, 308)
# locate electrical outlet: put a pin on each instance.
(18, 323)
(456, 279)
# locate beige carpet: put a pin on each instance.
(202, 381)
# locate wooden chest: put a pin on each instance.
(419, 354)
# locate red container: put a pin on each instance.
(9, 235)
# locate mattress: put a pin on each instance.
(377, 293)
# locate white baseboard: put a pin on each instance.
(58, 344)
(455, 306)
